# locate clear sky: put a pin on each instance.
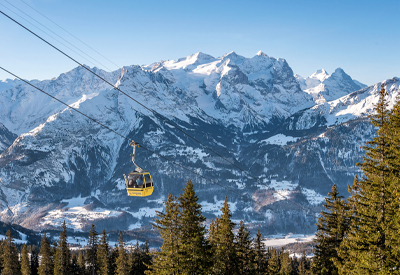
(361, 37)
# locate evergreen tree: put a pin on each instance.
(10, 256)
(1, 258)
(140, 259)
(368, 245)
(331, 229)
(286, 267)
(113, 259)
(81, 263)
(25, 263)
(46, 262)
(135, 259)
(92, 252)
(304, 265)
(122, 260)
(62, 255)
(260, 255)
(167, 260)
(194, 250)
(103, 255)
(146, 258)
(394, 166)
(273, 261)
(75, 270)
(34, 260)
(222, 241)
(244, 251)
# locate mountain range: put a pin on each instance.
(293, 136)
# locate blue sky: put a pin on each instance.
(361, 37)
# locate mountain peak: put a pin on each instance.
(260, 53)
(339, 71)
(320, 71)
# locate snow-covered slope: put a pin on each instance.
(355, 105)
(324, 87)
(252, 111)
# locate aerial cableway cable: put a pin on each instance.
(54, 37)
(70, 34)
(147, 149)
(151, 110)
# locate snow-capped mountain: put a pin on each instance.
(57, 165)
(324, 87)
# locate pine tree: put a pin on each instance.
(167, 260)
(136, 259)
(260, 255)
(140, 259)
(146, 258)
(194, 250)
(394, 166)
(103, 255)
(25, 263)
(34, 260)
(368, 245)
(222, 241)
(75, 270)
(10, 256)
(273, 261)
(331, 229)
(81, 263)
(46, 263)
(286, 267)
(1, 253)
(244, 251)
(122, 260)
(92, 252)
(113, 259)
(304, 265)
(62, 256)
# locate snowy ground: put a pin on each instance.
(75, 214)
(280, 240)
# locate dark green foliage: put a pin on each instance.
(92, 252)
(221, 238)
(122, 262)
(25, 263)
(368, 246)
(286, 266)
(331, 229)
(246, 262)
(304, 265)
(260, 255)
(103, 255)
(10, 256)
(113, 260)
(81, 264)
(46, 264)
(167, 260)
(273, 261)
(140, 259)
(34, 260)
(62, 256)
(194, 249)
(75, 269)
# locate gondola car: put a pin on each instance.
(139, 182)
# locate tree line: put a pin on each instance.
(188, 248)
(97, 258)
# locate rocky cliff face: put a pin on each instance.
(57, 165)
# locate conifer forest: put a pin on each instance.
(358, 233)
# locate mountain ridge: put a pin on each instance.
(250, 110)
